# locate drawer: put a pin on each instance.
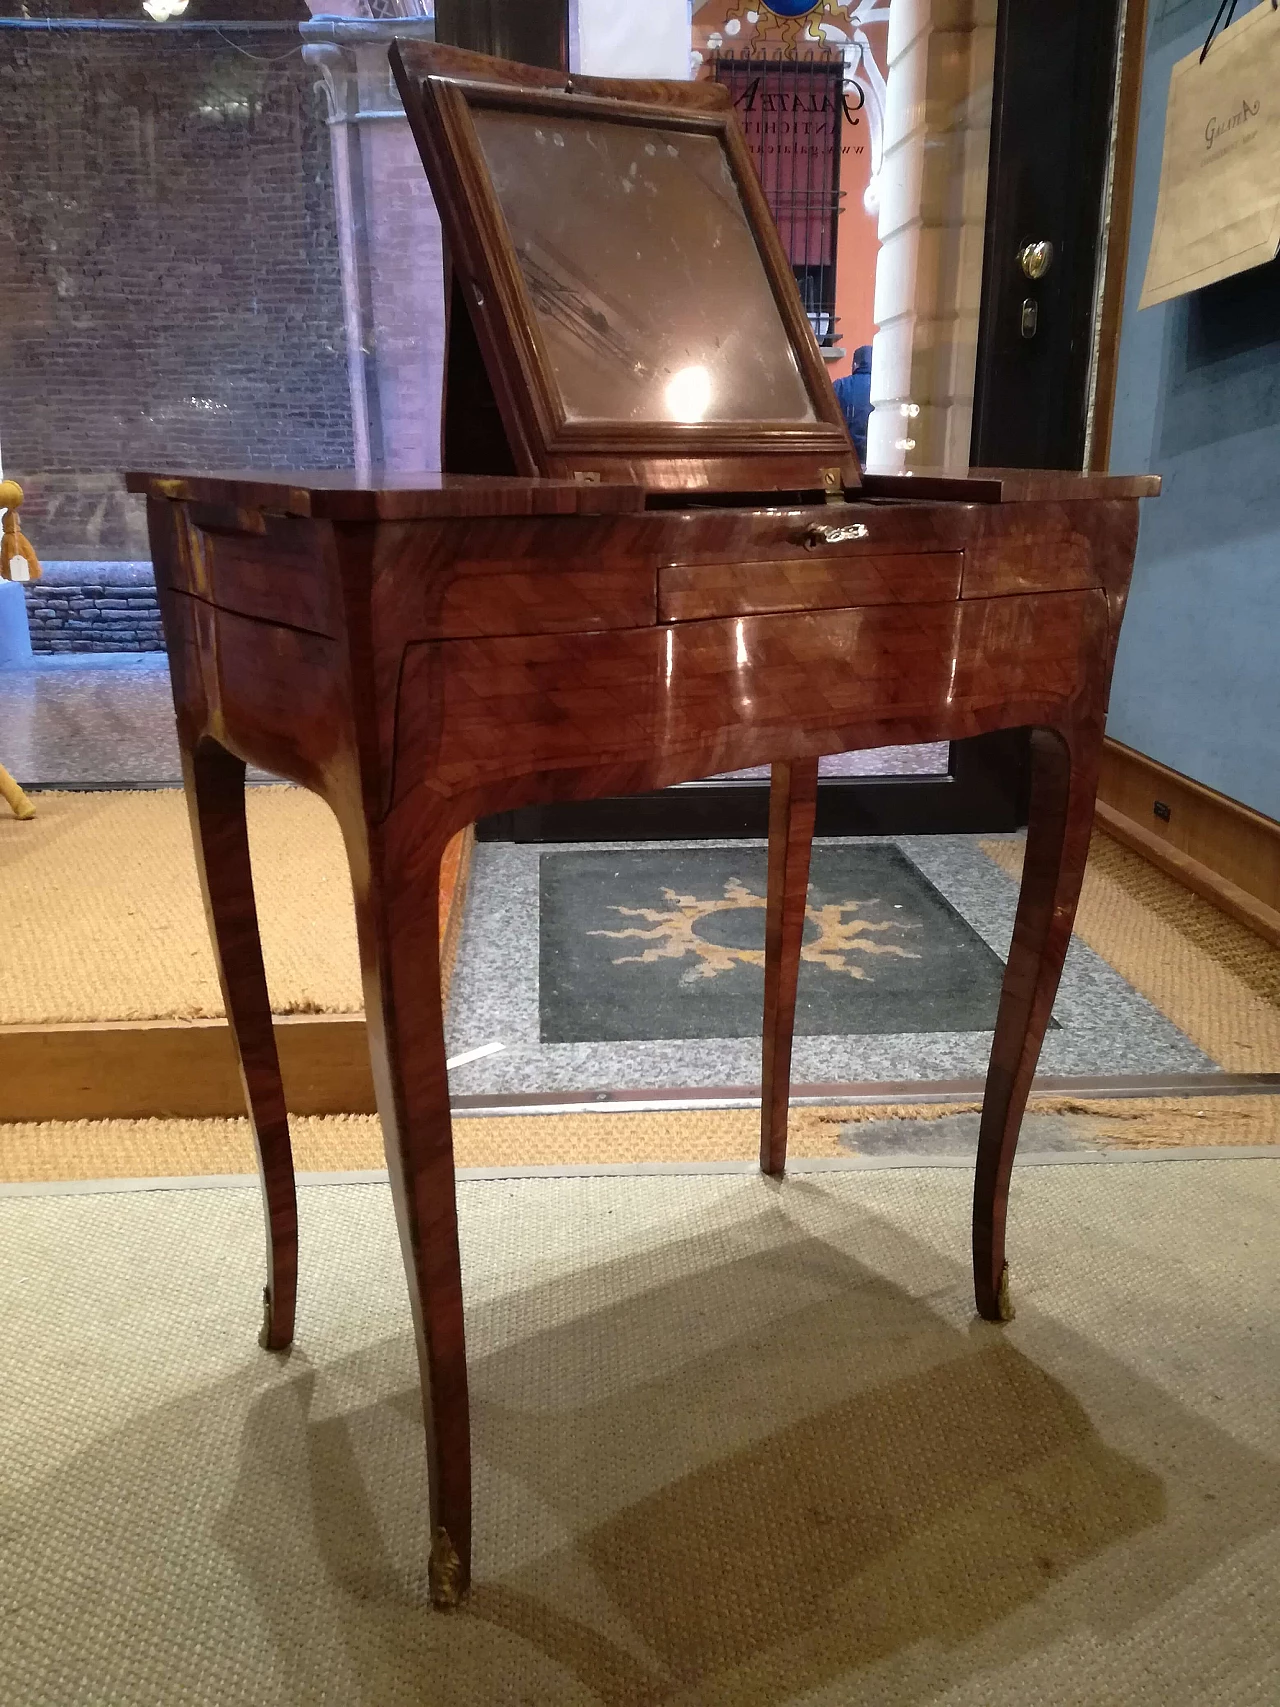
(274, 568)
(1033, 549)
(830, 582)
(728, 534)
(645, 707)
(519, 575)
(537, 598)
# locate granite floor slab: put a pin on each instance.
(1104, 1026)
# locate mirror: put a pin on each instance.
(651, 297)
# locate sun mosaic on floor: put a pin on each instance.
(635, 966)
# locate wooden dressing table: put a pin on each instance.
(642, 602)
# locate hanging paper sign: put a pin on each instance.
(1219, 206)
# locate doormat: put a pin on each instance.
(668, 943)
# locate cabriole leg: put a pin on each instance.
(397, 905)
(793, 793)
(215, 800)
(1064, 782)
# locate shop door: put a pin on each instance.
(1050, 138)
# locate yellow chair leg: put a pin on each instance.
(22, 807)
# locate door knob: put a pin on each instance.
(1035, 259)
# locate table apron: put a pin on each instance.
(488, 723)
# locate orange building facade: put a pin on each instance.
(856, 33)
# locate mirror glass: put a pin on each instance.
(651, 296)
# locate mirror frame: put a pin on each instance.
(441, 87)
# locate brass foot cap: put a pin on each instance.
(267, 1336)
(445, 1574)
(1004, 1304)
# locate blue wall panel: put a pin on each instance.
(1198, 401)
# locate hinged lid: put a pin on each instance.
(631, 313)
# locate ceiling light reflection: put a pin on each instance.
(689, 394)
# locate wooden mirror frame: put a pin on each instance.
(440, 88)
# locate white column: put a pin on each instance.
(932, 189)
(390, 244)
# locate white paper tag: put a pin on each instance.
(19, 569)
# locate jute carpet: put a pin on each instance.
(101, 903)
(99, 900)
(100, 909)
(1217, 981)
(166, 1149)
(734, 1445)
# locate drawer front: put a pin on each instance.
(830, 582)
(537, 598)
(1035, 549)
(823, 532)
(522, 575)
(642, 708)
(274, 568)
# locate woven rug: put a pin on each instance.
(100, 904)
(735, 1446)
(668, 943)
(49, 1151)
(1217, 981)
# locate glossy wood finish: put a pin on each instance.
(442, 664)
(807, 583)
(215, 795)
(1064, 780)
(793, 795)
(338, 495)
(398, 926)
(1009, 485)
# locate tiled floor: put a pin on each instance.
(1104, 1026)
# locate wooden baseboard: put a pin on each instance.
(1224, 851)
(187, 1068)
(1229, 839)
(133, 1070)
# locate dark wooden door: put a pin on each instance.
(535, 32)
(1050, 138)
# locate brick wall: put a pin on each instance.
(168, 269)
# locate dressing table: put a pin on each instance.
(652, 558)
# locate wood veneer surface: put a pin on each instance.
(462, 649)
